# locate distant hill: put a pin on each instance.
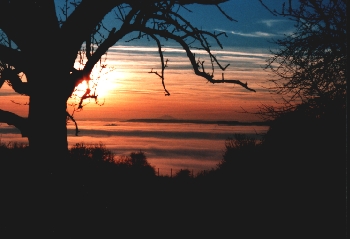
(166, 117)
(170, 119)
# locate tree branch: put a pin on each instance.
(82, 21)
(192, 58)
(14, 81)
(164, 64)
(12, 57)
(112, 38)
(70, 116)
(73, 32)
(15, 120)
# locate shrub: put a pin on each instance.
(94, 152)
(238, 150)
(13, 150)
(183, 174)
(137, 162)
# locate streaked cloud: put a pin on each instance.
(272, 22)
(253, 34)
(8, 93)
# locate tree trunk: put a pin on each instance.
(48, 180)
(47, 125)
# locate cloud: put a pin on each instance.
(4, 129)
(271, 22)
(253, 34)
(7, 93)
(153, 133)
(249, 34)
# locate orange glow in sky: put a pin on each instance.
(126, 89)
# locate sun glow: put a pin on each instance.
(100, 84)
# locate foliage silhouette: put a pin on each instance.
(238, 147)
(305, 147)
(183, 175)
(309, 67)
(90, 196)
(137, 163)
(256, 184)
(95, 152)
(13, 150)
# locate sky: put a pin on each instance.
(127, 89)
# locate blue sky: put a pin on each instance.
(255, 28)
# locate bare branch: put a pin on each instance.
(14, 81)
(70, 116)
(162, 62)
(15, 120)
(12, 58)
(224, 13)
(273, 12)
(19, 103)
(112, 38)
(192, 58)
(311, 62)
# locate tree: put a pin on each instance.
(137, 163)
(310, 64)
(306, 144)
(310, 68)
(38, 44)
(135, 159)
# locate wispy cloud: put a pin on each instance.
(248, 34)
(271, 22)
(253, 34)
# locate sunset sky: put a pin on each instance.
(127, 90)
(130, 91)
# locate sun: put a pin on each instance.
(101, 87)
(101, 84)
(106, 83)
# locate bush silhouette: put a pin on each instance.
(183, 174)
(137, 163)
(241, 159)
(94, 152)
(238, 149)
(13, 150)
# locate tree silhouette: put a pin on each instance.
(306, 144)
(43, 46)
(310, 64)
(310, 68)
(137, 163)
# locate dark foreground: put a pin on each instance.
(292, 185)
(84, 201)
